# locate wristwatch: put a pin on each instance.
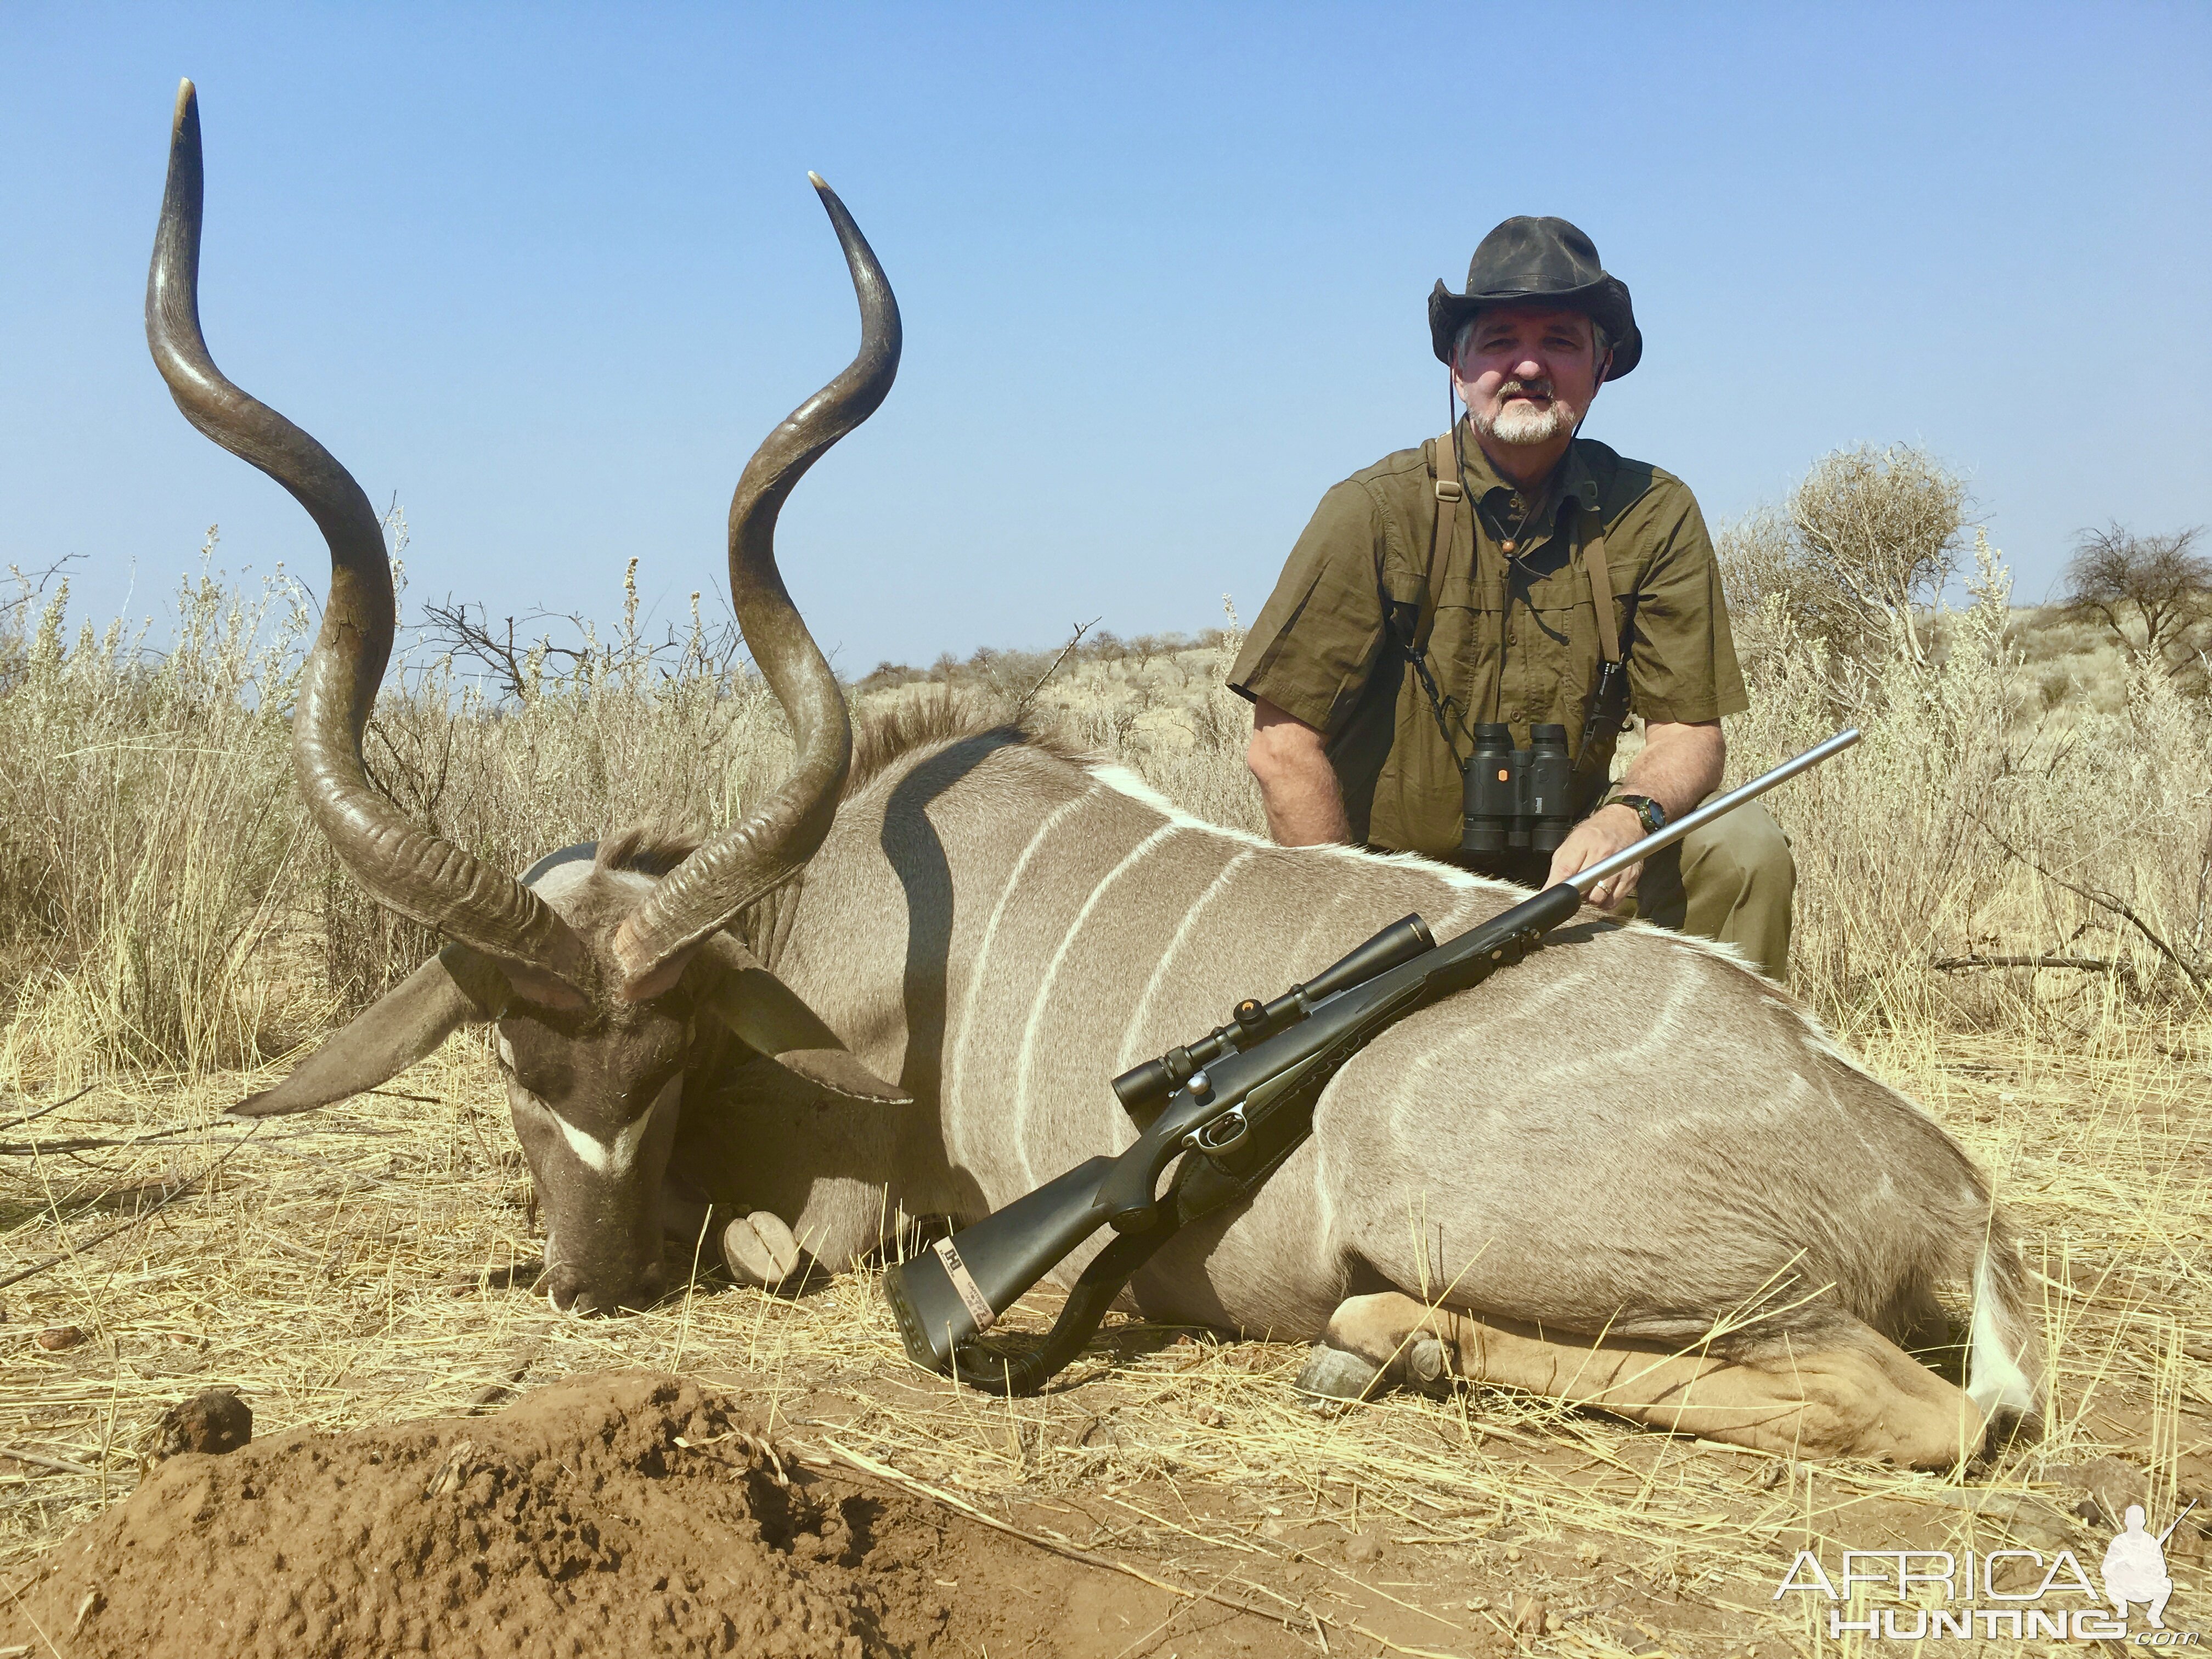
(1648, 812)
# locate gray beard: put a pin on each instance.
(1520, 426)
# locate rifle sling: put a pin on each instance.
(1200, 1187)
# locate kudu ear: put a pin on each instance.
(765, 1014)
(454, 987)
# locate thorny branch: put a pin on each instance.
(2111, 902)
(1021, 707)
(465, 630)
(2117, 965)
(513, 653)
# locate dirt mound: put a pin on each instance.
(626, 1514)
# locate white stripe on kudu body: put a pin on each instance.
(1628, 1133)
(1127, 1056)
(1043, 998)
(1007, 889)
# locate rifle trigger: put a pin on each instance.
(1223, 1135)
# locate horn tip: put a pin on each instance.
(187, 111)
(817, 181)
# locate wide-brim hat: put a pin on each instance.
(1542, 261)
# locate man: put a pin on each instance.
(1460, 583)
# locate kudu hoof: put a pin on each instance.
(759, 1250)
(1333, 1376)
(1426, 1362)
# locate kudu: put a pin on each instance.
(609, 978)
(1629, 1172)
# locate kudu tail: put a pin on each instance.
(2006, 1362)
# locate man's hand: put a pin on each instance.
(1599, 836)
(1680, 765)
(1296, 783)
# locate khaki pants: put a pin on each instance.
(1731, 881)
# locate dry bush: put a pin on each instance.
(147, 812)
(1162, 706)
(2152, 595)
(1864, 543)
(165, 907)
(1999, 850)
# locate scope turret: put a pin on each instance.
(1142, 1087)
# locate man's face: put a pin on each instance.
(1527, 373)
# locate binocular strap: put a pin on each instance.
(1410, 633)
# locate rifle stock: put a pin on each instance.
(1000, 1256)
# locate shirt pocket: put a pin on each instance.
(1470, 625)
(1561, 659)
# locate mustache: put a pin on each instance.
(1524, 388)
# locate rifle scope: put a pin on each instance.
(1253, 1021)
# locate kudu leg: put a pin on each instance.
(1855, 1395)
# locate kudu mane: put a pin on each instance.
(886, 734)
(894, 730)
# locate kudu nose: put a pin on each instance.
(566, 1288)
(572, 1291)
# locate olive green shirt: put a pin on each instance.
(1506, 637)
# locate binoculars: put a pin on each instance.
(1517, 800)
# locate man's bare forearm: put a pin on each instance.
(1681, 764)
(1297, 786)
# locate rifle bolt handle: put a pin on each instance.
(1200, 1085)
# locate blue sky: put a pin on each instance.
(548, 273)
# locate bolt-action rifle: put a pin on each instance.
(1231, 1105)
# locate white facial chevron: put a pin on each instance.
(611, 1157)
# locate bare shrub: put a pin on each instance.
(1864, 544)
(2152, 594)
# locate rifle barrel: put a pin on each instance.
(1582, 880)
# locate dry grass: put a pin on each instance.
(2016, 795)
(315, 1271)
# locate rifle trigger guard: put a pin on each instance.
(1221, 1136)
